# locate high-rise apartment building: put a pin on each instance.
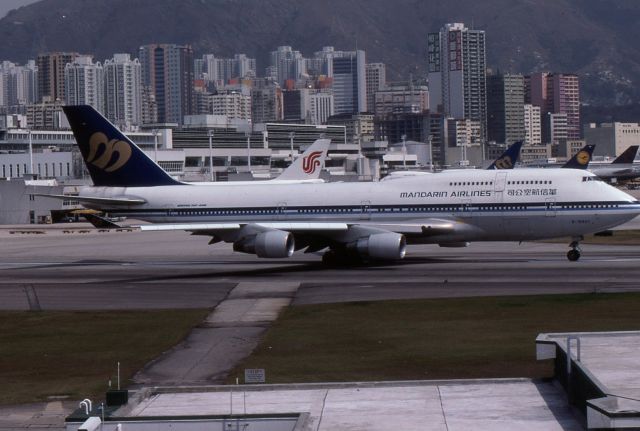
(168, 70)
(556, 127)
(46, 115)
(505, 108)
(401, 98)
(288, 64)
(233, 105)
(320, 106)
(349, 83)
(376, 79)
(296, 104)
(18, 84)
(322, 61)
(266, 101)
(123, 91)
(532, 125)
(556, 93)
(457, 73)
(51, 79)
(222, 70)
(84, 83)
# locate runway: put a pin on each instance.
(175, 270)
(88, 270)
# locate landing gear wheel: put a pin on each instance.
(573, 255)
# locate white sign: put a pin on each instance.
(254, 375)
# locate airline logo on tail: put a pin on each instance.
(583, 157)
(105, 160)
(310, 163)
(504, 163)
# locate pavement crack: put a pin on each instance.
(444, 416)
(32, 297)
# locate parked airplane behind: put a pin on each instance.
(509, 158)
(621, 169)
(581, 159)
(369, 220)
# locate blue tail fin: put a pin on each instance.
(509, 158)
(627, 157)
(111, 158)
(581, 159)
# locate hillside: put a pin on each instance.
(595, 38)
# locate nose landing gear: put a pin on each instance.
(574, 254)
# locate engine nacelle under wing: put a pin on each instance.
(381, 246)
(270, 244)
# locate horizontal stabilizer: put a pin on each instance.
(95, 200)
(101, 222)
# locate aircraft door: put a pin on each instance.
(500, 182)
(466, 209)
(550, 207)
(365, 210)
(281, 211)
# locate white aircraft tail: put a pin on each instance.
(309, 164)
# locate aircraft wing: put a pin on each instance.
(339, 231)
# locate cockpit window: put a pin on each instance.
(594, 178)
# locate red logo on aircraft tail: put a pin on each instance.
(311, 162)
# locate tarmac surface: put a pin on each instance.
(93, 271)
(82, 269)
(481, 405)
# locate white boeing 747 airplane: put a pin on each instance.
(366, 221)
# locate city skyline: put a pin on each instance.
(599, 49)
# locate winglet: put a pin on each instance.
(627, 157)
(581, 159)
(509, 158)
(110, 156)
(309, 164)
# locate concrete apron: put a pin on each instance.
(228, 335)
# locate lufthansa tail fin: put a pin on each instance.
(110, 156)
(627, 157)
(581, 159)
(509, 158)
(309, 164)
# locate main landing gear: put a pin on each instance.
(574, 254)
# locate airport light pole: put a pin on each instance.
(155, 145)
(249, 151)
(211, 154)
(430, 153)
(30, 153)
(291, 136)
(404, 151)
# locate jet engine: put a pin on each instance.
(381, 246)
(272, 243)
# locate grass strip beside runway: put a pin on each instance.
(431, 338)
(45, 353)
